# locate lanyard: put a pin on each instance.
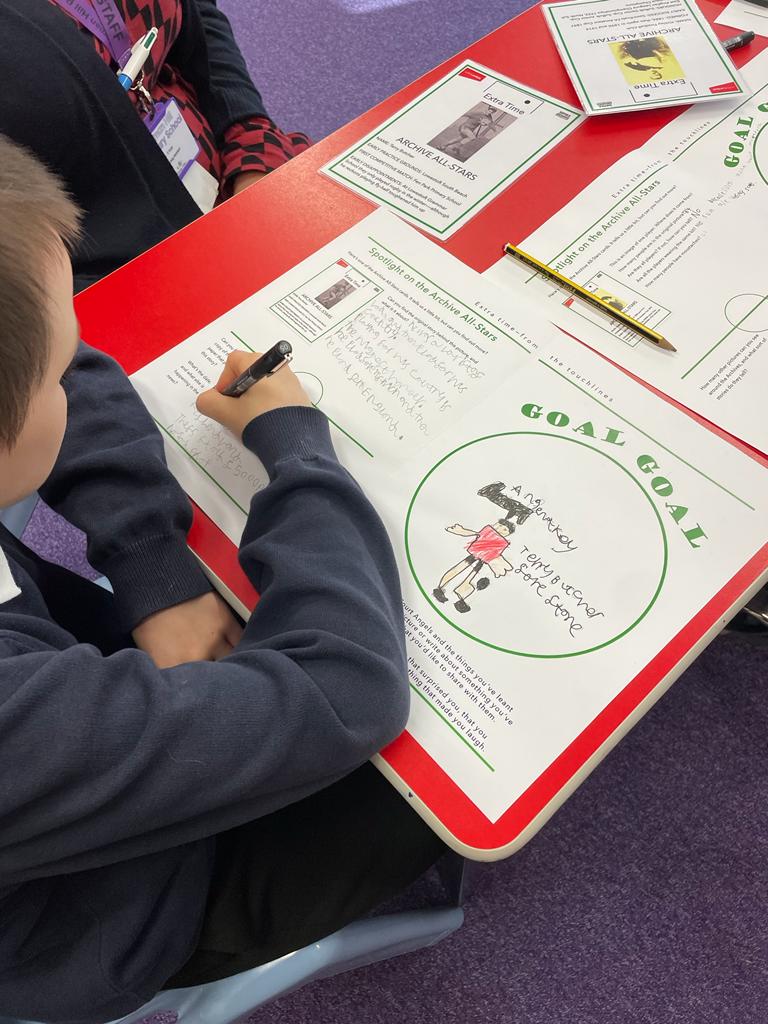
(103, 20)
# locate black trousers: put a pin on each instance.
(291, 877)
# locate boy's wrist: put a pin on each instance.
(294, 431)
(153, 574)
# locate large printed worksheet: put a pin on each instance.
(555, 523)
(552, 544)
(446, 155)
(673, 234)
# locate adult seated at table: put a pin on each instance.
(62, 99)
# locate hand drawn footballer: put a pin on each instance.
(485, 550)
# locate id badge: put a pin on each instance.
(179, 146)
(171, 133)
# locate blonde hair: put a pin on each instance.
(36, 216)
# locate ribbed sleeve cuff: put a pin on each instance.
(153, 574)
(297, 431)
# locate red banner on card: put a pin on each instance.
(726, 87)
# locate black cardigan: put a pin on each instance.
(58, 98)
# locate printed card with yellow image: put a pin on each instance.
(647, 60)
(650, 53)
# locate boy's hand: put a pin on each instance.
(203, 629)
(275, 392)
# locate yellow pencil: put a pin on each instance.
(583, 293)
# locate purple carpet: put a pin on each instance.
(319, 63)
(644, 900)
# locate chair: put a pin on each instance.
(357, 945)
(751, 623)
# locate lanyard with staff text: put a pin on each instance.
(103, 20)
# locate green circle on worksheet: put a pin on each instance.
(583, 566)
(760, 153)
(747, 312)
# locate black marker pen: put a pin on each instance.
(277, 356)
(736, 41)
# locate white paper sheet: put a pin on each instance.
(445, 156)
(675, 232)
(745, 16)
(639, 517)
(555, 524)
(635, 54)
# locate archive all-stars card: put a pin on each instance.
(630, 54)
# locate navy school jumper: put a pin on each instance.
(115, 776)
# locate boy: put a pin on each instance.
(168, 820)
